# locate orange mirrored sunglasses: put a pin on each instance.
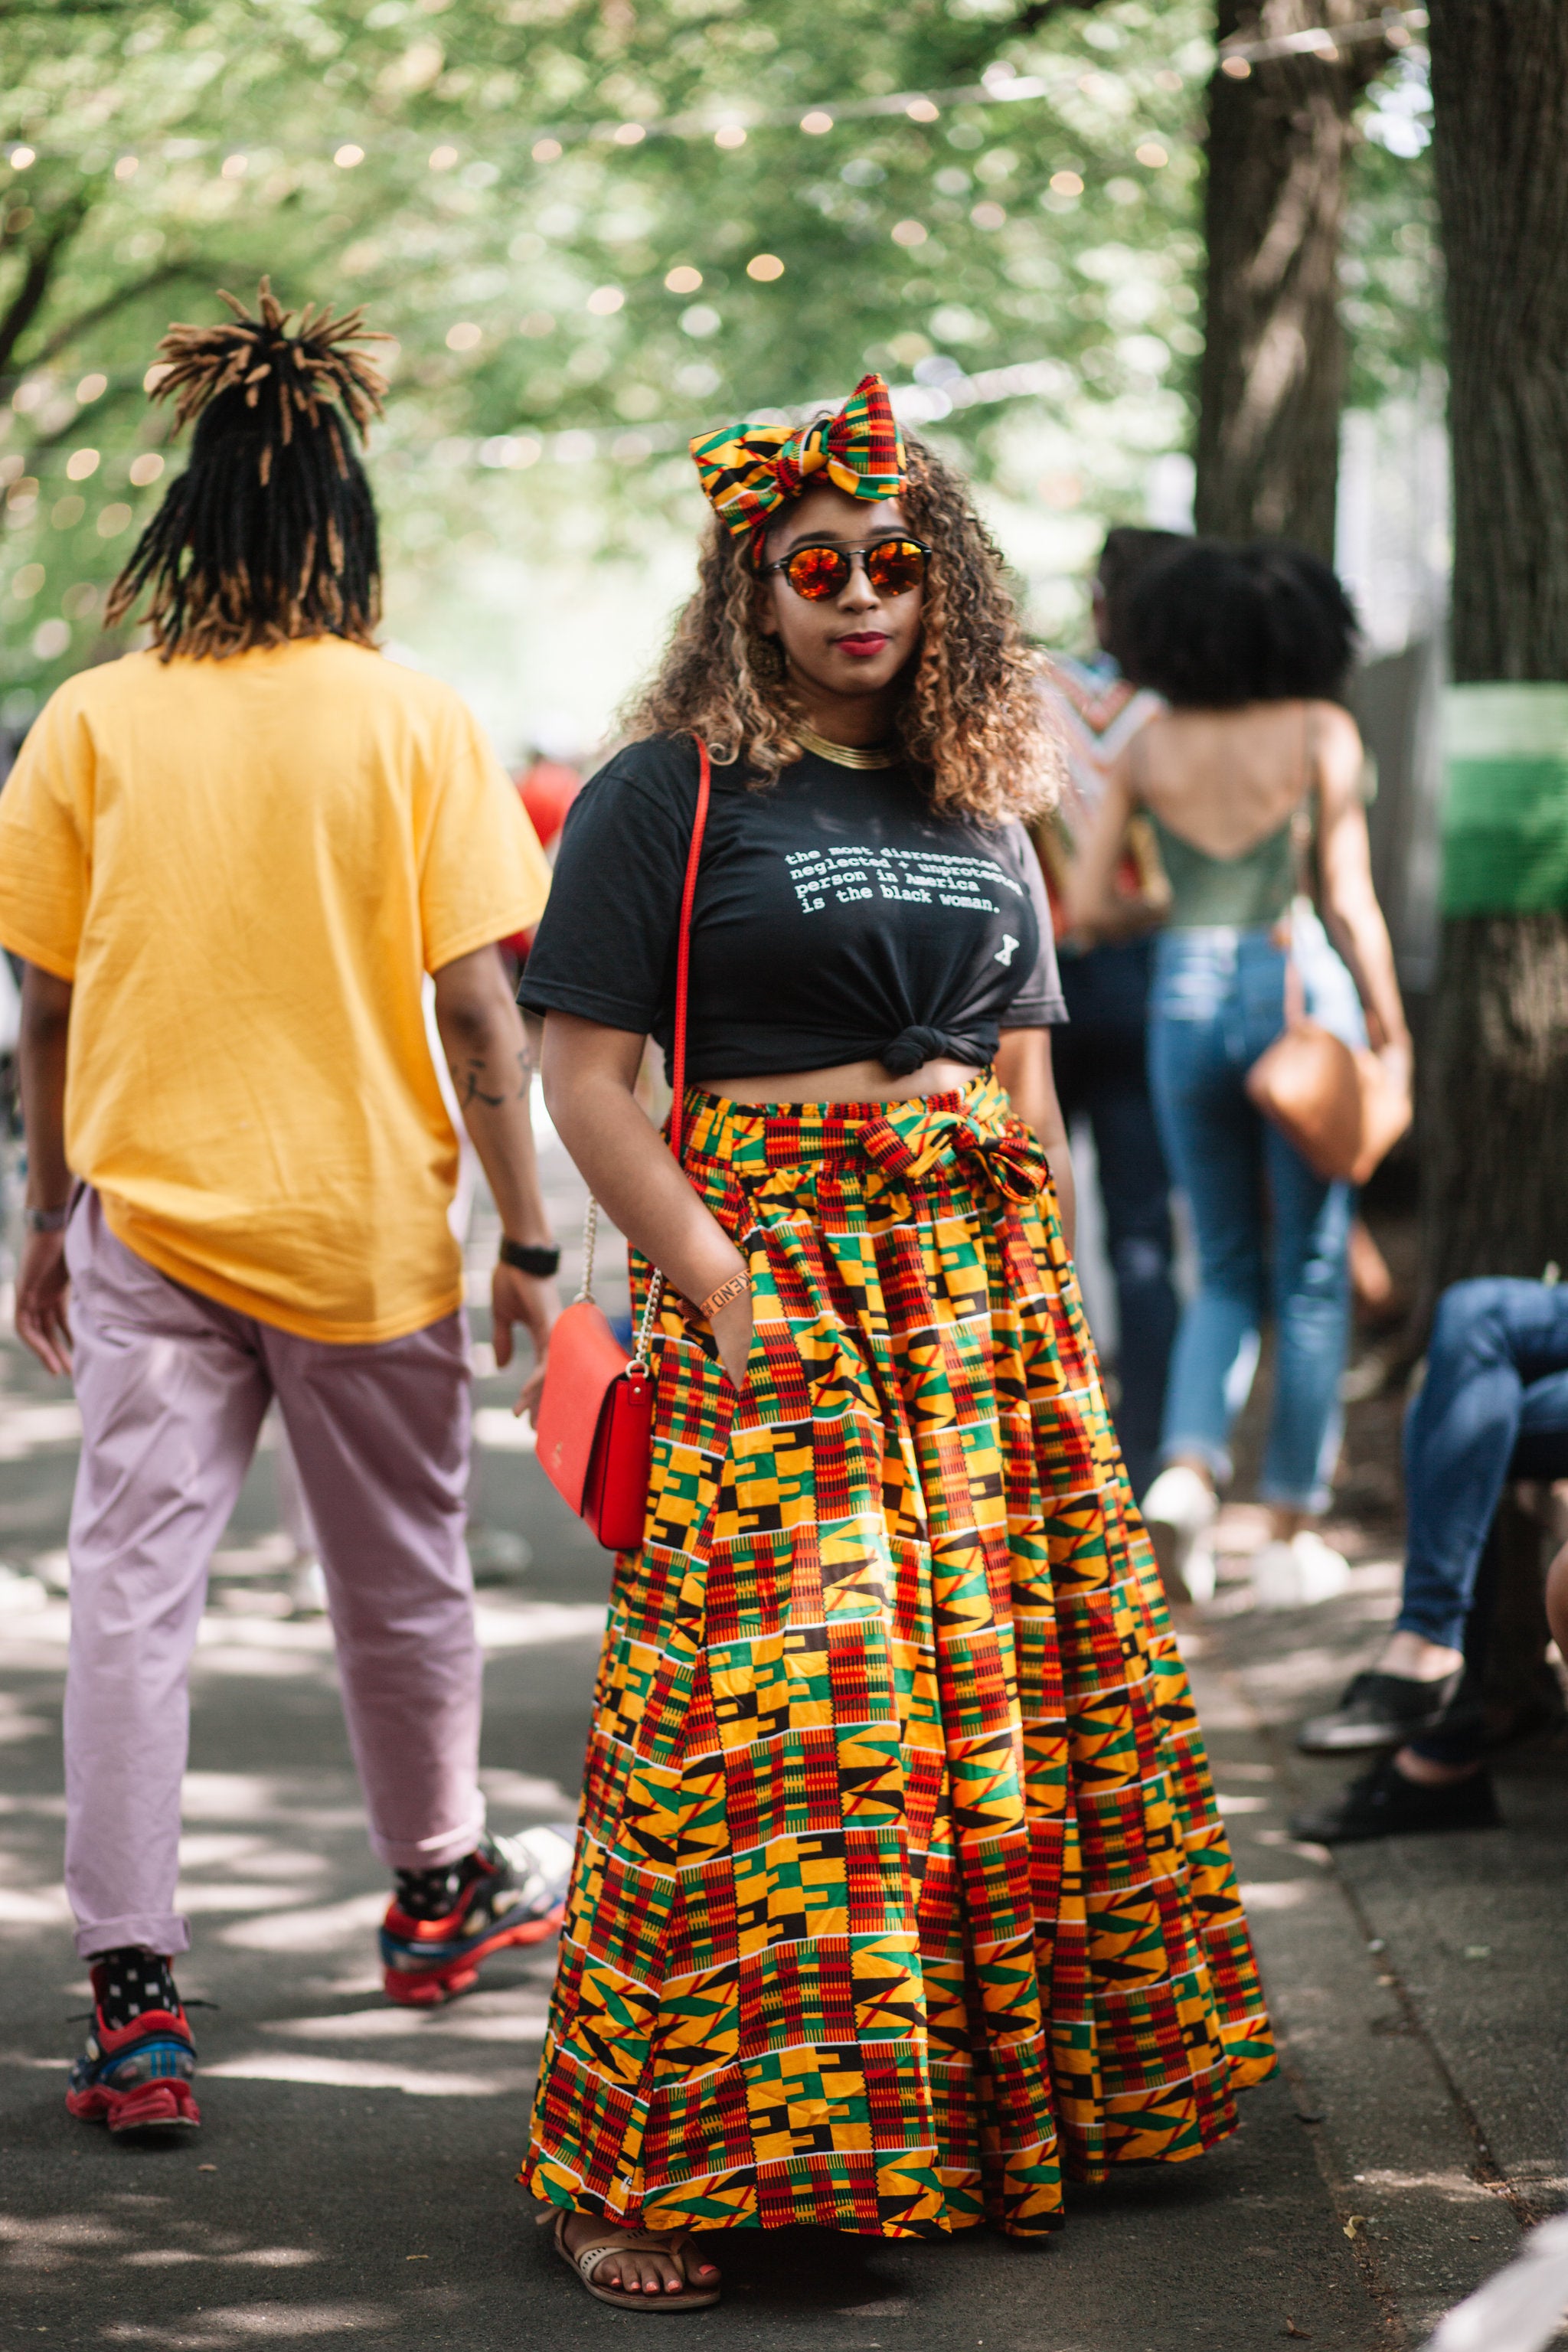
(893, 566)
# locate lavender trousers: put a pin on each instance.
(173, 1390)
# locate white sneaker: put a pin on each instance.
(306, 1588)
(20, 1595)
(1298, 1574)
(541, 1862)
(1179, 1507)
(1200, 1571)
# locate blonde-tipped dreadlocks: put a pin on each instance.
(270, 532)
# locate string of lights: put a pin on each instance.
(34, 396)
(731, 127)
(941, 387)
(1397, 26)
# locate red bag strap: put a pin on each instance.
(678, 1108)
(683, 947)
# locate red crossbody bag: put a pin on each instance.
(594, 1422)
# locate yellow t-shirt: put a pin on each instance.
(246, 867)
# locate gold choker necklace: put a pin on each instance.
(847, 755)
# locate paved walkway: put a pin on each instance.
(352, 2182)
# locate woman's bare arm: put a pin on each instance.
(1024, 1066)
(589, 1073)
(1351, 910)
(1095, 910)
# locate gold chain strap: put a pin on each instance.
(590, 1235)
(585, 1287)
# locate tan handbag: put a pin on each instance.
(1334, 1104)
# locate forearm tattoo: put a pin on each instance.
(471, 1081)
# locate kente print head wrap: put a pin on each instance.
(748, 470)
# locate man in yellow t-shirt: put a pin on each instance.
(228, 864)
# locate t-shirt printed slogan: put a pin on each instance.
(924, 878)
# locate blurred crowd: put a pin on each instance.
(1214, 827)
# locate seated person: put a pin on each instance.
(1493, 1406)
(1557, 1600)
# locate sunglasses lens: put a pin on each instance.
(815, 573)
(895, 567)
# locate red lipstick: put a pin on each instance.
(862, 646)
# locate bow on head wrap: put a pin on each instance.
(747, 471)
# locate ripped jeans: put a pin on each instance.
(1271, 1236)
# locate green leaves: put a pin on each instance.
(596, 227)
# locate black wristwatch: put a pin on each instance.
(529, 1257)
(45, 1221)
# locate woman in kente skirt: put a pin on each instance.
(900, 1889)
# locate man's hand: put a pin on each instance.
(486, 1052)
(42, 1288)
(530, 1299)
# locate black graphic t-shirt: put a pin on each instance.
(836, 918)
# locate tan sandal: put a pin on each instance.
(587, 2259)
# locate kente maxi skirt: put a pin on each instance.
(900, 1889)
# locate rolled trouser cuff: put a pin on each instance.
(432, 1852)
(1312, 1501)
(1447, 1633)
(168, 1932)
(1215, 1458)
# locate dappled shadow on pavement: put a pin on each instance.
(353, 2178)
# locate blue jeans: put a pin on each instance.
(1494, 1405)
(1270, 1234)
(1101, 1071)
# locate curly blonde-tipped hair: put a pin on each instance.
(971, 720)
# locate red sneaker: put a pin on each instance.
(135, 2076)
(509, 1891)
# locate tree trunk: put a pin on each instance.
(1500, 91)
(1496, 1194)
(1495, 1102)
(1273, 369)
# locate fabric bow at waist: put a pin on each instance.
(971, 1136)
(1007, 1158)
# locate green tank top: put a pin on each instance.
(1250, 891)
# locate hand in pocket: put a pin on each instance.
(732, 1336)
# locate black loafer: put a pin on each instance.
(1378, 1711)
(1384, 1803)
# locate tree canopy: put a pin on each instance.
(597, 226)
